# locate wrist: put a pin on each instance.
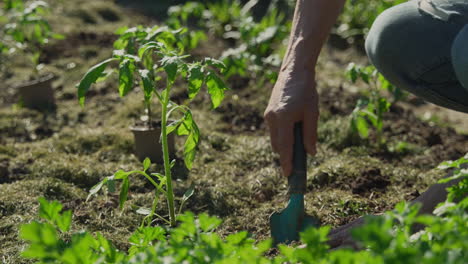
(299, 58)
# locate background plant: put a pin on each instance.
(256, 42)
(358, 16)
(26, 30)
(370, 110)
(154, 57)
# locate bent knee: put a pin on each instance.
(387, 33)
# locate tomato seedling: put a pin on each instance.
(138, 50)
(369, 111)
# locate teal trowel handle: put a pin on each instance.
(297, 181)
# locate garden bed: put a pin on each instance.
(60, 155)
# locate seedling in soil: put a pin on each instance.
(358, 16)
(151, 45)
(26, 30)
(256, 43)
(184, 15)
(370, 110)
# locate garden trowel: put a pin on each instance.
(286, 224)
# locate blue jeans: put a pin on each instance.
(422, 46)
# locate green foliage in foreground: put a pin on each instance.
(384, 239)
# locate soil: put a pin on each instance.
(60, 155)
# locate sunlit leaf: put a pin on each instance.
(96, 188)
(124, 192)
(191, 144)
(90, 77)
(190, 191)
(170, 65)
(146, 164)
(195, 79)
(126, 70)
(216, 88)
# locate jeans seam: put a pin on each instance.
(441, 62)
(454, 104)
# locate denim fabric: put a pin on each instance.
(412, 45)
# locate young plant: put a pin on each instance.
(256, 43)
(359, 15)
(26, 30)
(184, 15)
(369, 111)
(154, 45)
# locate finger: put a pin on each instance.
(273, 134)
(310, 131)
(285, 147)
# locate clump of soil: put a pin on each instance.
(369, 181)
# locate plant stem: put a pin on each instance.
(167, 165)
(148, 112)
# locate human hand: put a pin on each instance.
(293, 99)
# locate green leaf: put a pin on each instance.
(90, 77)
(237, 238)
(170, 65)
(124, 192)
(186, 126)
(208, 223)
(215, 63)
(159, 176)
(96, 188)
(42, 234)
(49, 210)
(352, 73)
(147, 84)
(444, 208)
(105, 75)
(190, 147)
(216, 88)
(120, 174)
(143, 237)
(148, 47)
(144, 211)
(121, 30)
(58, 36)
(195, 79)
(190, 191)
(146, 164)
(111, 185)
(126, 70)
(147, 56)
(174, 125)
(457, 174)
(64, 221)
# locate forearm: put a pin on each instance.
(313, 20)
